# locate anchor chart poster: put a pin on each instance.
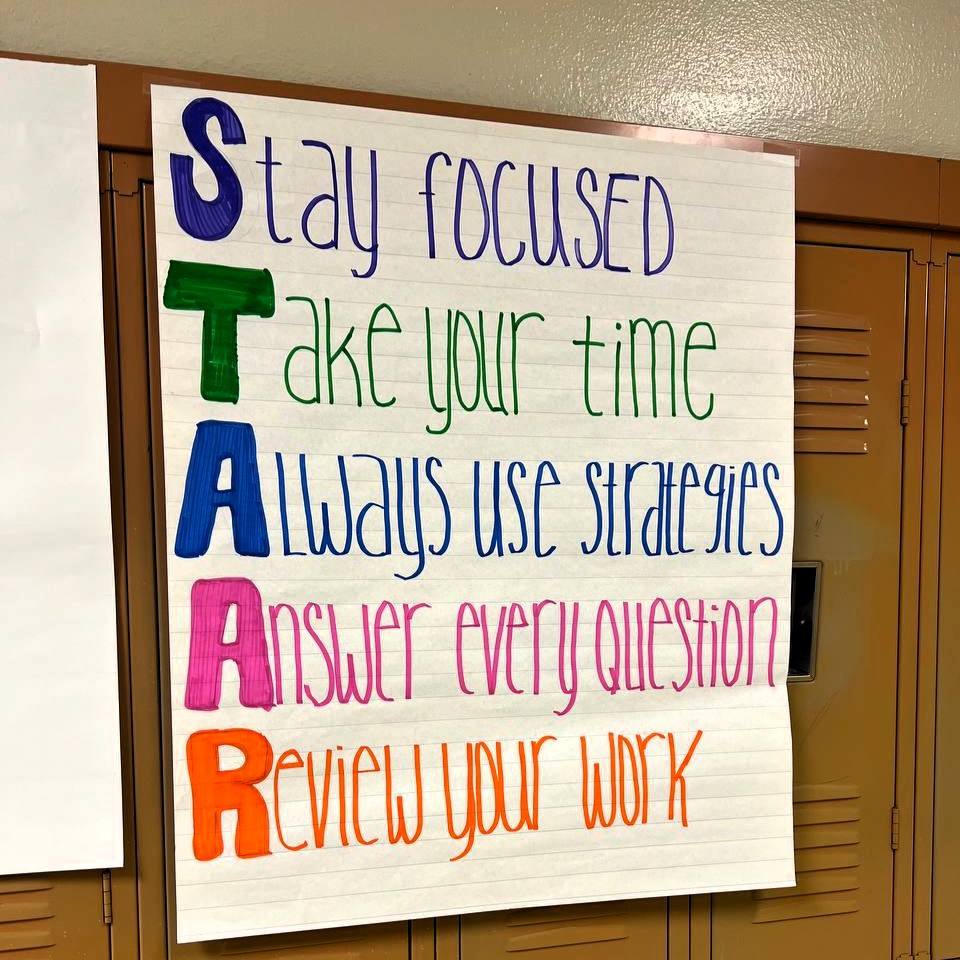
(479, 491)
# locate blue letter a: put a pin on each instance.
(214, 442)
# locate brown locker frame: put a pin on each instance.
(833, 184)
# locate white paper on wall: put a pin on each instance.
(59, 734)
(479, 484)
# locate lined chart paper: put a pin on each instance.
(479, 492)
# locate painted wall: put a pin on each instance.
(881, 74)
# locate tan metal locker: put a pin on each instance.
(53, 915)
(946, 823)
(855, 297)
(852, 321)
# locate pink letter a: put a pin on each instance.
(210, 601)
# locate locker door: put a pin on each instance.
(53, 915)
(946, 823)
(147, 885)
(853, 292)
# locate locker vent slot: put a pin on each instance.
(827, 842)
(548, 928)
(281, 948)
(831, 365)
(387, 941)
(336, 945)
(26, 911)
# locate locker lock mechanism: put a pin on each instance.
(804, 609)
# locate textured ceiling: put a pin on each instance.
(881, 74)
